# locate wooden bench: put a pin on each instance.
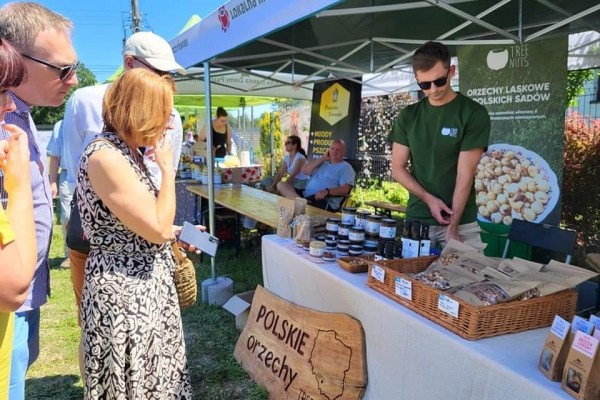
(384, 208)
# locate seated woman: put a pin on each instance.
(292, 165)
(132, 331)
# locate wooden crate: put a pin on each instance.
(472, 322)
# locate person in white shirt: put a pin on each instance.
(83, 121)
(292, 165)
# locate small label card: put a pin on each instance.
(585, 344)
(404, 288)
(378, 273)
(448, 305)
(581, 324)
(560, 327)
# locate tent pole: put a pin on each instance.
(520, 21)
(272, 129)
(210, 163)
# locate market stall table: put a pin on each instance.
(250, 202)
(385, 208)
(408, 356)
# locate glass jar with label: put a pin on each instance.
(387, 229)
(348, 215)
(332, 225)
(373, 224)
(356, 234)
(343, 231)
(360, 221)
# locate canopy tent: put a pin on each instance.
(356, 37)
(229, 87)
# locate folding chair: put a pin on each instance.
(356, 165)
(552, 238)
(544, 236)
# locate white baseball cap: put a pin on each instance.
(154, 50)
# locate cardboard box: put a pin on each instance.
(239, 305)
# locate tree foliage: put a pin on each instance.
(575, 82)
(265, 141)
(51, 115)
(581, 192)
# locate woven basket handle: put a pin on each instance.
(179, 256)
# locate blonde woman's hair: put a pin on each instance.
(138, 105)
(20, 23)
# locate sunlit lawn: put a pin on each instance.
(209, 332)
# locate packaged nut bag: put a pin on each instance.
(555, 277)
(516, 266)
(493, 292)
(302, 229)
(581, 375)
(555, 350)
(285, 217)
(458, 265)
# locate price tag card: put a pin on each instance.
(378, 273)
(585, 344)
(448, 305)
(560, 327)
(404, 288)
(582, 324)
(595, 320)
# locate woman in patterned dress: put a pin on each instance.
(132, 332)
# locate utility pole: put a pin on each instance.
(136, 16)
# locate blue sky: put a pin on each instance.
(101, 25)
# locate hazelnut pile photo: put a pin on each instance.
(509, 186)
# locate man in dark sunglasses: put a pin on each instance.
(43, 38)
(443, 136)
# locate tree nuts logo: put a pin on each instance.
(224, 18)
(497, 59)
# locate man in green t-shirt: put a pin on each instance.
(443, 136)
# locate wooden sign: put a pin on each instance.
(299, 353)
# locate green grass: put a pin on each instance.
(209, 332)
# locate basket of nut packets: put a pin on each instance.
(476, 296)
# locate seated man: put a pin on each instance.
(330, 176)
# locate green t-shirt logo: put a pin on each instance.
(452, 132)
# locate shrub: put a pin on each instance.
(581, 180)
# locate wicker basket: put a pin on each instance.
(185, 279)
(473, 322)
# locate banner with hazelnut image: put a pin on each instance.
(523, 87)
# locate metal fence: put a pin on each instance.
(377, 116)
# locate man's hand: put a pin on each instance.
(185, 246)
(452, 233)
(439, 210)
(54, 189)
(321, 194)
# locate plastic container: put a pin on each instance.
(373, 224)
(348, 215)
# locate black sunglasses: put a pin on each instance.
(156, 71)
(65, 72)
(439, 82)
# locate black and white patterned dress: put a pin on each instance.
(132, 331)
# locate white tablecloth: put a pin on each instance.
(408, 356)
